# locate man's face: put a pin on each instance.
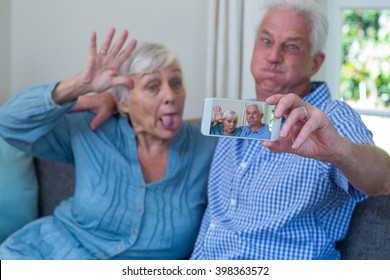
(282, 60)
(253, 115)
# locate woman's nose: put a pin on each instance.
(169, 95)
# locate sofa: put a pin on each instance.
(56, 183)
(32, 188)
(368, 236)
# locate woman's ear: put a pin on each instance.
(122, 106)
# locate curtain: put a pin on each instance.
(231, 34)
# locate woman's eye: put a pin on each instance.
(153, 87)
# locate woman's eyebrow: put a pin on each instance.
(149, 73)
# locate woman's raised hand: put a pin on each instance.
(102, 70)
(217, 114)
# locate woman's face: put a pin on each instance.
(155, 104)
(229, 125)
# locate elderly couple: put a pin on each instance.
(225, 123)
(149, 186)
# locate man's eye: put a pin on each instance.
(292, 47)
(266, 41)
(176, 85)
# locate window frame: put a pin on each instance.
(333, 48)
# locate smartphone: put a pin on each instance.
(242, 119)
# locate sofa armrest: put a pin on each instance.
(369, 231)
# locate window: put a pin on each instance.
(365, 69)
(359, 46)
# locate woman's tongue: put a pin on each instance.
(171, 122)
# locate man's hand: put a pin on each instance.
(102, 105)
(307, 131)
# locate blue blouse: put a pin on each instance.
(113, 214)
(218, 130)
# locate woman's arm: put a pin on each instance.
(32, 122)
(27, 119)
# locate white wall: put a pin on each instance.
(50, 38)
(4, 51)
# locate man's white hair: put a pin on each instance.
(259, 108)
(311, 11)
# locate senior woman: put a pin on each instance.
(141, 177)
(224, 123)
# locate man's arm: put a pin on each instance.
(366, 167)
(102, 105)
(308, 132)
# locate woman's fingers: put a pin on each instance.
(92, 48)
(119, 44)
(127, 52)
(107, 42)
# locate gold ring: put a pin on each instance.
(103, 52)
(305, 112)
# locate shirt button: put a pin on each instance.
(233, 202)
(134, 232)
(243, 165)
(140, 210)
(142, 187)
(213, 226)
(120, 247)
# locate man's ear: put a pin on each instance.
(318, 60)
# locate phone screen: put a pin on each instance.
(240, 119)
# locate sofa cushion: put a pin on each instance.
(56, 183)
(369, 231)
(18, 189)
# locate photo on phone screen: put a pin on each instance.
(240, 119)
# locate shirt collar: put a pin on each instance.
(318, 95)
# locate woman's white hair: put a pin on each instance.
(146, 57)
(309, 10)
(230, 114)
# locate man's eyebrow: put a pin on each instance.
(176, 71)
(265, 32)
(293, 38)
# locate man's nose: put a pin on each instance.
(275, 53)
